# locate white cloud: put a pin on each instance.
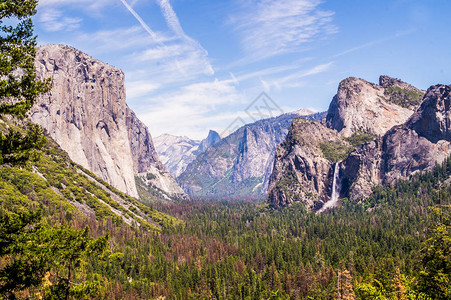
(91, 7)
(170, 60)
(193, 109)
(174, 23)
(119, 39)
(375, 42)
(168, 65)
(160, 52)
(53, 20)
(270, 28)
(293, 80)
(144, 25)
(90, 3)
(139, 88)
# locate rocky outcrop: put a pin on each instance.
(178, 152)
(86, 114)
(364, 138)
(360, 106)
(212, 139)
(417, 145)
(303, 167)
(401, 93)
(146, 162)
(240, 164)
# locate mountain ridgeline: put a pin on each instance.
(350, 155)
(178, 152)
(87, 115)
(372, 134)
(240, 164)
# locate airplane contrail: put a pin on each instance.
(143, 24)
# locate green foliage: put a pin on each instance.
(150, 176)
(360, 138)
(30, 250)
(69, 249)
(22, 265)
(407, 98)
(20, 146)
(18, 85)
(335, 151)
(435, 276)
(230, 250)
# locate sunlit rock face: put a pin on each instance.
(361, 106)
(417, 145)
(404, 137)
(86, 114)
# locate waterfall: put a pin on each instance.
(335, 191)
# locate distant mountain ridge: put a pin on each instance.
(178, 152)
(239, 166)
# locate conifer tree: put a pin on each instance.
(399, 291)
(22, 265)
(346, 291)
(19, 86)
(435, 277)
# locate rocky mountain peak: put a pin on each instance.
(370, 142)
(240, 164)
(87, 115)
(360, 106)
(401, 93)
(433, 119)
(387, 82)
(417, 145)
(303, 167)
(212, 138)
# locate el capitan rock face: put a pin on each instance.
(86, 114)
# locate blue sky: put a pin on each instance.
(195, 65)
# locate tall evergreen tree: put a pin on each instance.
(22, 264)
(398, 290)
(19, 86)
(435, 277)
(346, 289)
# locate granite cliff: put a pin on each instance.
(240, 164)
(86, 114)
(417, 145)
(177, 152)
(303, 166)
(344, 154)
(361, 106)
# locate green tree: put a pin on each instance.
(435, 277)
(23, 265)
(19, 86)
(30, 250)
(69, 249)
